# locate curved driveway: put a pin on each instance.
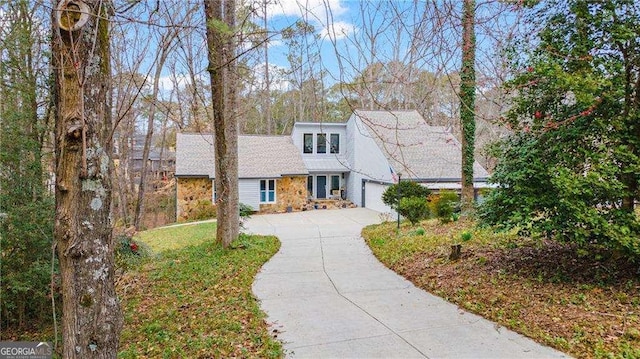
(327, 296)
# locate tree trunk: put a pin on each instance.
(91, 321)
(467, 103)
(220, 18)
(164, 52)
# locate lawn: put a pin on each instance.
(189, 298)
(583, 302)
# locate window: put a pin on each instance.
(335, 183)
(308, 143)
(268, 191)
(215, 193)
(322, 143)
(335, 143)
(310, 186)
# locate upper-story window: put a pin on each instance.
(308, 143)
(335, 143)
(322, 143)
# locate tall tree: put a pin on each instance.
(570, 171)
(26, 205)
(91, 320)
(220, 17)
(467, 102)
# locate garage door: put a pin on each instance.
(373, 197)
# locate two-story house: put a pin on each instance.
(356, 160)
(323, 147)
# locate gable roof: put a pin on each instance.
(414, 148)
(258, 156)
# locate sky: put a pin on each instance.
(343, 27)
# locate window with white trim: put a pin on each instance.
(335, 143)
(321, 145)
(268, 191)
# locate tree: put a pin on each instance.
(91, 320)
(570, 171)
(220, 17)
(404, 189)
(165, 46)
(467, 103)
(26, 206)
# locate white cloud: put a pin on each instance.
(317, 10)
(167, 83)
(338, 30)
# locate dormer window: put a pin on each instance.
(308, 143)
(322, 143)
(335, 143)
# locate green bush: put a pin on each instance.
(448, 204)
(204, 209)
(404, 189)
(245, 213)
(414, 209)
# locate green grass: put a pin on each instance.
(193, 299)
(178, 237)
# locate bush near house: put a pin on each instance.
(414, 209)
(404, 189)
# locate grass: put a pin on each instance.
(193, 299)
(583, 302)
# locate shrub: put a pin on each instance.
(448, 203)
(404, 189)
(245, 213)
(204, 209)
(414, 209)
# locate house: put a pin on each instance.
(356, 160)
(391, 144)
(271, 173)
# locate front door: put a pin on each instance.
(321, 187)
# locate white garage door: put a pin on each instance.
(373, 197)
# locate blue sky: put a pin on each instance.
(345, 26)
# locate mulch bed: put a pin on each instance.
(584, 302)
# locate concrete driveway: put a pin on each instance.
(327, 296)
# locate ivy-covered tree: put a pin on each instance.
(571, 169)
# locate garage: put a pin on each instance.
(372, 195)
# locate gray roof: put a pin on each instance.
(258, 156)
(414, 148)
(336, 163)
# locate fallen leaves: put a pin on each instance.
(587, 307)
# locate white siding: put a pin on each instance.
(373, 198)
(366, 158)
(299, 129)
(249, 192)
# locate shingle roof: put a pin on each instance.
(335, 163)
(258, 156)
(413, 148)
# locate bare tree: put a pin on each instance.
(220, 17)
(80, 50)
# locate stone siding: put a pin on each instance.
(290, 192)
(190, 192)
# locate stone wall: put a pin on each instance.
(191, 195)
(290, 192)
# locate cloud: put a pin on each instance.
(338, 30)
(167, 83)
(317, 10)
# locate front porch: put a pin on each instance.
(327, 203)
